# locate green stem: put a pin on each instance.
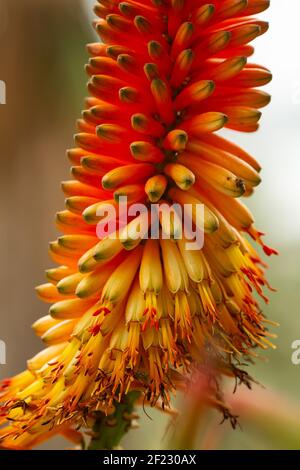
(109, 430)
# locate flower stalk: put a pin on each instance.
(108, 431)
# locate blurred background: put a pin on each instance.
(42, 50)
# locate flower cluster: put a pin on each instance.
(130, 313)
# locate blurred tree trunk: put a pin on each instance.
(42, 54)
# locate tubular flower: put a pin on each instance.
(130, 312)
